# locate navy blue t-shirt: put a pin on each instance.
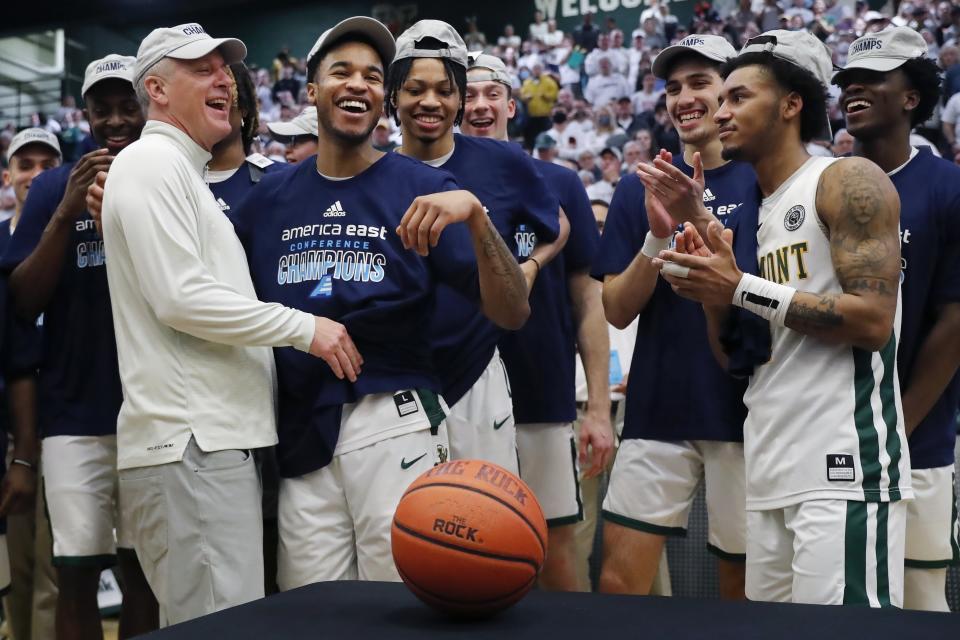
(79, 390)
(231, 192)
(541, 357)
(331, 248)
(929, 189)
(507, 183)
(677, 390)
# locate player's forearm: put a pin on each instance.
(35, 279)
(626, 294)
(949, 132)
(503, 288)
(593, 340)
(544, 252)
(716, 318)
(842, 318)
(22, 406)
(936, 364)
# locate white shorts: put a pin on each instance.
(335, 522)
(80, 488)
(481, 424)
(548, 463)
(654, 482)
(827, 552)
(932, 529)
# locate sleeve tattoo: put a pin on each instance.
(863, 245)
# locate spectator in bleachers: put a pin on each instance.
(264, 92)
(949, 58)
(606, 86)
(637, 57)
(652, 36)
(286, 83)
(842, 143)
(770, 16)
(585, 36)
(539, 93)
(381, 137)
(948, 119)
(799, 8)
(586, 177)
(587, 161)
(618, 59)
(605, 127)
(645, 100)
(538, 28)
(68, 107)
(474, 39)
(625, 117)
(644, 138)
(634, 154)
(509, 38)
(602, 189)
(553, 37)
(545, 148)
(530, 55)
(743, 15)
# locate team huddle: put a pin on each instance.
(244, 364)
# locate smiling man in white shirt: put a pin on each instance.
(193, 341)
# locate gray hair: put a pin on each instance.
(161, 67)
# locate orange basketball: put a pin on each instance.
(469, 537)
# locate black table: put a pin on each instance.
(361, 610)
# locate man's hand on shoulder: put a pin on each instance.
(333, 345)
(82, 176)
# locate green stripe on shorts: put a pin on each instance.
(883, 581)
(431, 406)
(855, 555)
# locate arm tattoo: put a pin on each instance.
(863, 246)
(503, 265)
(805, 317)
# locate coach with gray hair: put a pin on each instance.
(192, 339)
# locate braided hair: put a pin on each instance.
(247, 103)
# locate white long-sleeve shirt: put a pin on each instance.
(192, 338)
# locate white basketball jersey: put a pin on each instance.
(824, 420)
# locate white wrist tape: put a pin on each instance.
(652, 245)
(767, 299)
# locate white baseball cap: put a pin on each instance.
(800, 48)
(884, 50)
(184, 42)
(495, 70)
(304, 124)
(716, 48)
(32, 136)
(112, 66)
(454, 48)
(361, 25)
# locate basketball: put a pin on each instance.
(469, 538)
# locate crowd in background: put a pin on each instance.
(586, 98)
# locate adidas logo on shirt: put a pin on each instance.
(223, 205)
(708, 195)
(334, 211)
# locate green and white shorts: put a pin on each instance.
(81, 493)
(827, 552)
(335, 522)
(932, 528)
